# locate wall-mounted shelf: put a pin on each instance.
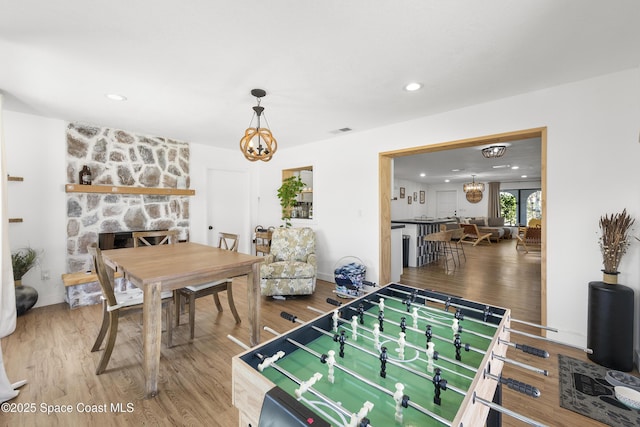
(110, 189)
(20, 179)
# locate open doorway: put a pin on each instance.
(385, 194)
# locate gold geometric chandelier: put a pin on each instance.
(473, 190)
(267, 144)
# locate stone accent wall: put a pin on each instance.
(119, 158)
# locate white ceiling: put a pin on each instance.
(187, 67)
(525, 155)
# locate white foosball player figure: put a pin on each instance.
(331, 360)
(306, 385)
(397, 396)
(269, 360)
(334, 317)
(356, 418)
(376, 335)
(401, 343)
(455, 326)
(354, 328)
(414, 316)
(430, 351)
(381, 304)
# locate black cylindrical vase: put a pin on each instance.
(610, 325)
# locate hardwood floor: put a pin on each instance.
(50, 349)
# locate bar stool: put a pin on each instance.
(441, 246)
(457, 236)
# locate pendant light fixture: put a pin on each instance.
(473, 190)
(494, 151)
(266, 145)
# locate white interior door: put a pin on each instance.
(446, 203)
(228, 207)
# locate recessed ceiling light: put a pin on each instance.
(116, 97)
(523, 176)
(447, 180)
(515, 167)
(501, 166)
(413, 86)
(423, 174)
(456, 170)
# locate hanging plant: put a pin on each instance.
(614, 239)
(288, 195)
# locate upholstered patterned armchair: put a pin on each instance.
(290, 268)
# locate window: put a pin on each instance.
(519, 206)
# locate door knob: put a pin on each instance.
(211, 227)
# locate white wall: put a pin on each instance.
(592, 140)
(36, 150)
(401, 209)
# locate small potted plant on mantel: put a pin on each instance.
(22, 261)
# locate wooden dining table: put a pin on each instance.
(167, 267)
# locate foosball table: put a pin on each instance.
(399, 356)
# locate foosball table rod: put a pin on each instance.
(526, 334)
(506, 411)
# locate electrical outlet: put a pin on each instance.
(45, 275)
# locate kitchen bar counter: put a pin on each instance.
(420, 252)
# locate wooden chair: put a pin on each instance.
(226, 241)
(532, 238)
(115, 303)
(471, 232)
(151, 238)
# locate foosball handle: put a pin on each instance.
(521, 387)
(334, 302)
(288, 316)
(532, 350)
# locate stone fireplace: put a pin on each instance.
(119, 158)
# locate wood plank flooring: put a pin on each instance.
(50, 348)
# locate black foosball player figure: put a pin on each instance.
(428, 333)
(458, 344)
(383, 362)
(459, 314)
(440, 384)
(403, 324)
(340, 339)
(381, 320)
(361, 313)
(408, 302)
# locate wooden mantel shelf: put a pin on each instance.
(109, 189)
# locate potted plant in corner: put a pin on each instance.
(614, 241)
(288, 195)
(610, 328)
(26, 296)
